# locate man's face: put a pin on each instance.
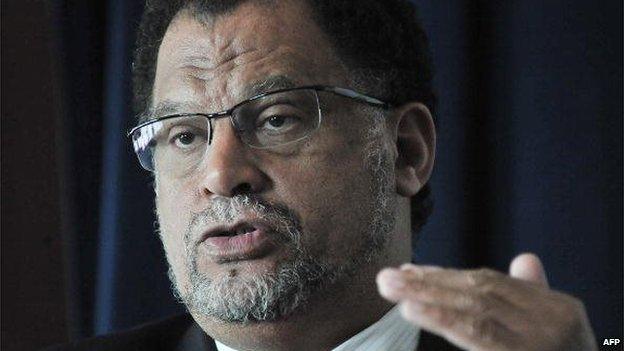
(311, 215)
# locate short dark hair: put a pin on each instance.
(380, 41)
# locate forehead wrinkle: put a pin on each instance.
(247, 59)
(202, 71)
(207, 51)
(198, 58)
(257, 87)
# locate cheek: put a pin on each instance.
(173, 218)
(331, 193)
(174, 204)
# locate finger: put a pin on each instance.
(483, 280)
(468, 331)
(398, 285)
(488, 283)
(528, 267)
(391, 283)
(402, 286)
(459, 278)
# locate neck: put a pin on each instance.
(329, 319)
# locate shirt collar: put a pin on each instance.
(391, 332)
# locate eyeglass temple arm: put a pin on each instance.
(357, 96)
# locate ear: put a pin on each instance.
(415, 147)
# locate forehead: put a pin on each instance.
(216, 62)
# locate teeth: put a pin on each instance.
(240, 231)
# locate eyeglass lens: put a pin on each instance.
(178, 145)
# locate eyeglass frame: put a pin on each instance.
(344, 92)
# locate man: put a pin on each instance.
(291, 144)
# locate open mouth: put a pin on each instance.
(240, 241)
(238, 230)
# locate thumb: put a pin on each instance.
(528, 266)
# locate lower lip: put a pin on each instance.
(239, 247)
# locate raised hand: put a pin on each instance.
(487, 310)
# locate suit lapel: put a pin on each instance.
(431, 342)
(195, 339)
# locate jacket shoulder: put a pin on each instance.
(164, 334)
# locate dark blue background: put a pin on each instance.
(529, 154)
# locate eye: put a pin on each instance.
(275, 121)
(184, 140)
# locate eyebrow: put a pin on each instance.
(168, 107)
(271, 83)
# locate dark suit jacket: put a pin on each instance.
(181, 333)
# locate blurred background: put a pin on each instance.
(529, 159)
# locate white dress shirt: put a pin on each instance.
(391, 332)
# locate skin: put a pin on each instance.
(210, 65)
(487, 310)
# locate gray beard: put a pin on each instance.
(274, 295)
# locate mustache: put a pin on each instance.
(283, 222)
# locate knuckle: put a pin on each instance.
(418, 288)
(489, 274)
(481, 276)
(413, 273)
(475, 278)
(494, 290)
(482, 328)
(471, 302)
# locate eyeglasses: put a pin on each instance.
(177, 143)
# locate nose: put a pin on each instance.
(229, 168)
